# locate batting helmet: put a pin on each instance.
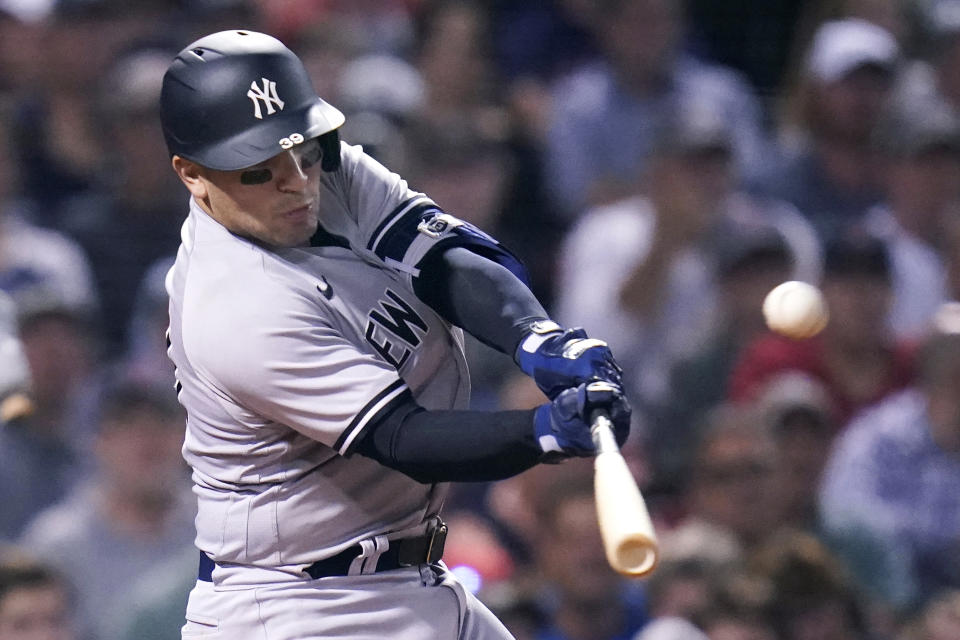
(233, 99)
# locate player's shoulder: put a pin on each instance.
(261, 285)
(353, 157)
(239, 295)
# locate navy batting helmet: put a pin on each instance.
(233, 99)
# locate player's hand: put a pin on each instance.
(562, 427)
(558, 359)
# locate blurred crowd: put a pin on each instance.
(659, 165)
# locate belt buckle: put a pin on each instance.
(438, 537)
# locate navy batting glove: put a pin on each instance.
(562, 427)
(558, 359)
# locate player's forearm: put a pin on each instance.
(480, 296)
(453, 446)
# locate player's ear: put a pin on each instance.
(190, 174)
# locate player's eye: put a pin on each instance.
(256, 176)
(311, 154)
(308, 154)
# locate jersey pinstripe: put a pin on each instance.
(284, 357)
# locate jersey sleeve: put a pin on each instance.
(296, 369)
(400, 227)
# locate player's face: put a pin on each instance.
(274, 203)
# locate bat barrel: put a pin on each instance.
(629, 539)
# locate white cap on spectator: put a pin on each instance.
(381, 83)
(30, 11)
(671, 629)
(842, 46)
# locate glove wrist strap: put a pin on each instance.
(538, 333)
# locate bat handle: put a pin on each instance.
(601, 430)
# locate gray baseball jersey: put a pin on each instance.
(284, 356)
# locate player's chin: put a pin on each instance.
(295, 228)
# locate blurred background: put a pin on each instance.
(659, 165)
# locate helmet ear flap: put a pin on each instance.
(330, 149)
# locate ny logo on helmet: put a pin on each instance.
(269, 96)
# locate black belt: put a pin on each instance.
(406, 552)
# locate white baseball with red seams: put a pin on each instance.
(796, 310)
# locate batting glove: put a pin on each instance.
(558, 359)
(562, 427)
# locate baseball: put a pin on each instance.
(795, 309)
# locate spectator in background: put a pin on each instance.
(381, 26)
(856, 356)
(474, 551)
(35, 602)
(14, 370)
(14, 404)
(605, 114)
(134, 514)
(459, 81)
(739, 609)
(699, 593)
(154, 602)
(920, 151)
(643, 271)
(671, 629)
(938, 620)
(757, 42)
(126, 225)
(19, 56)
(466, 168)
(890, 494)
(951, 252)
(469, 151)
(731, 494)
(795, 410)
(41, 451)
(583, 598)
(811, 596)
(829, 170)
(60, 145)
(31, 255)
(537, 42)
(379, 94)
(935, 75)
(749, 264)
(144, 360)
(682, 587)
(516, 606)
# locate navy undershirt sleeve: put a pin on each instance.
(482, 297)
(452, 446)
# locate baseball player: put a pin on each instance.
(316, 308)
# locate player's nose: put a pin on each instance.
(290, 173)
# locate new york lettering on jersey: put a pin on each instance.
(401, 321)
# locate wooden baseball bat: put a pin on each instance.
(628, 536)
